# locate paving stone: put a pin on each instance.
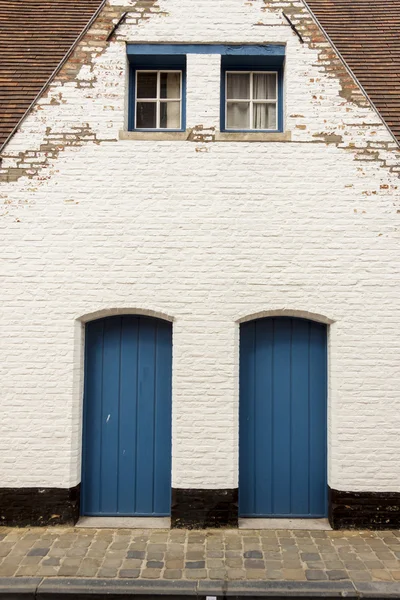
(112, 563)
(159, 537)
(52, 561)
(215, 553)
(68, 571)
(31, 560)
(253, 563)
(74, 552)
(294, 574)
(236, 574)
(38, 551)
(195, 573)
(216, 573)
(130, 563)
(89, 567)
(135, 554)
(129, 573)
(234, 554)
(253, 554)
(108, 572)
(274, 575)
(255, 574)
(8, 570)
(198, 564)
(174, 564)
(315, 575)
(354, 565)
(337, 574)
(309, 556)
(47, 571)
(156, 547)
(155, 556)
(150, 573)
(154, 564)
(360, 576)
(195, 555)
(373, 564)
(380, 575)
(172, 574)
(215, 563)
(137, 546)
(395, 574)
(24, 571)
(233, 562)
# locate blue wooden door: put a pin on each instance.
(126, 467)
(282, 431)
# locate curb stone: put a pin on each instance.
(21, 588)
(49, 588)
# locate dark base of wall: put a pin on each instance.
(364, 510)
(198, 509)
(39, 506)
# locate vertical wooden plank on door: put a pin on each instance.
(145, 415)
(317, 417)
(127, 415)
(162, 420)
(110, 416)
(281, 483)
(300, 422)
(263, 417)
(93, 392)
(246, 418)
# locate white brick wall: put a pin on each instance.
(208, 238)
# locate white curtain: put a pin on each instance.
(170, 87)
(238, 113)
(170, 116)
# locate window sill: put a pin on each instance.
(225, 136)
(155, 136)
(253, 136)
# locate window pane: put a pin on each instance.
(238, 86)
(264, 86)
(238, 115)
(146, 115)
(146, 85)
(264, 116)
(170, 115)
(170, 85)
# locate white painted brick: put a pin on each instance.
(206, 238)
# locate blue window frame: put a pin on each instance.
(157, 93)
(151, 63)
(251, 94)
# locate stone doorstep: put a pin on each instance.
(20, 588)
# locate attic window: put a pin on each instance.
(158, 101)
(157, 93)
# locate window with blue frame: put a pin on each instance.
(251, 86)
(157, 93)
(251, 94)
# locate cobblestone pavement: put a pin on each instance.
(361, 556)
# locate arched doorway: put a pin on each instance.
(126, 462)
(283, 418)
